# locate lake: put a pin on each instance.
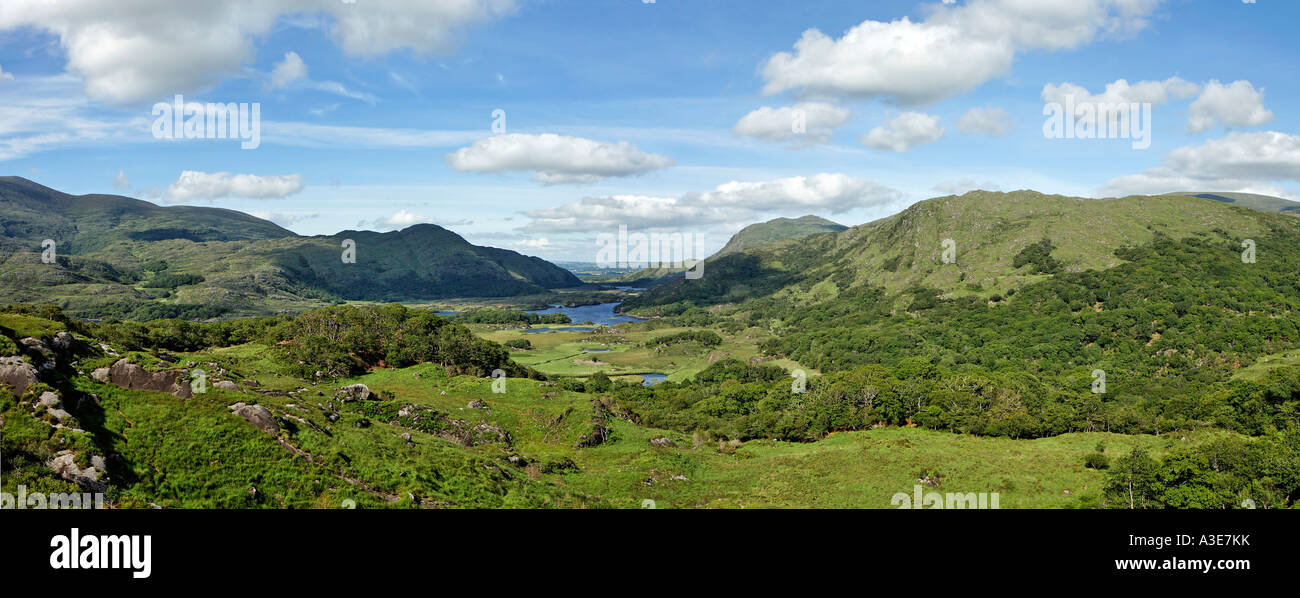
(601, 313)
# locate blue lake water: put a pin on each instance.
(601, 313)
(652, 379)
(576, 329)
(595, 350)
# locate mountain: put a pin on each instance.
(777, 229)
(119, 256)
(1266, 203)
(86, 223)
(997, 240)
(754, 235)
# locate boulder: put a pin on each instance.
(355, 392)
(17, 373)
(100, 374)
(128, 375)
(226, 385)
(63, 342)
(257, 415)
(49, 399)
(478, 404)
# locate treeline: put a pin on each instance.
(736, 400)
(707, 338)
(1225, 473)
(507, 316)
(347, 340)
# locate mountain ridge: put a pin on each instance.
(115, 251)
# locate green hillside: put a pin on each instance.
(777, 229)
(119, 256)
(988, 230)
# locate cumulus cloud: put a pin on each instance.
(1155, 93)
(730, 203)
(1248, 162)
(987, 121)
(291, 69)
(555, 159)
(806, 123)
(120, 181)
(194, 185)
(952, 51)
(904, 132)
(145, 49)
(1235, 105)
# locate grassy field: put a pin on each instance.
(623, 350)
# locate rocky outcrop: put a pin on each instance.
(17, 373)
(259, 416)
(226, 385)
(94, 477)
(467, 434)
(134, 377)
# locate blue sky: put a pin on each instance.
(379, 114)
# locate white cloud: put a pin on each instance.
(962, 186)
(1235, 105)
(403, 218)
(1248, 162)
(120, 181)
(1265, 155)
(818, 121)
(4, 75)
(555, 158)
(284, 220)
(291, 69)
(825, 192)
(987, 121)
(533, 243)
(145, 49)
(734, 203)
(904, 132)
(955, 49)
(1155, 93)
(194, 185)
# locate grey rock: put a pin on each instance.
(129, 375)
(257, 415)
(17, 373)
(355, 392)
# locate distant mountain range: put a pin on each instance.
(1266, 203)
(119, 256)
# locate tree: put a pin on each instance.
(1132, 481)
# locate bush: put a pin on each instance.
(1096, 461)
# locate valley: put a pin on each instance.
(809, 368)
